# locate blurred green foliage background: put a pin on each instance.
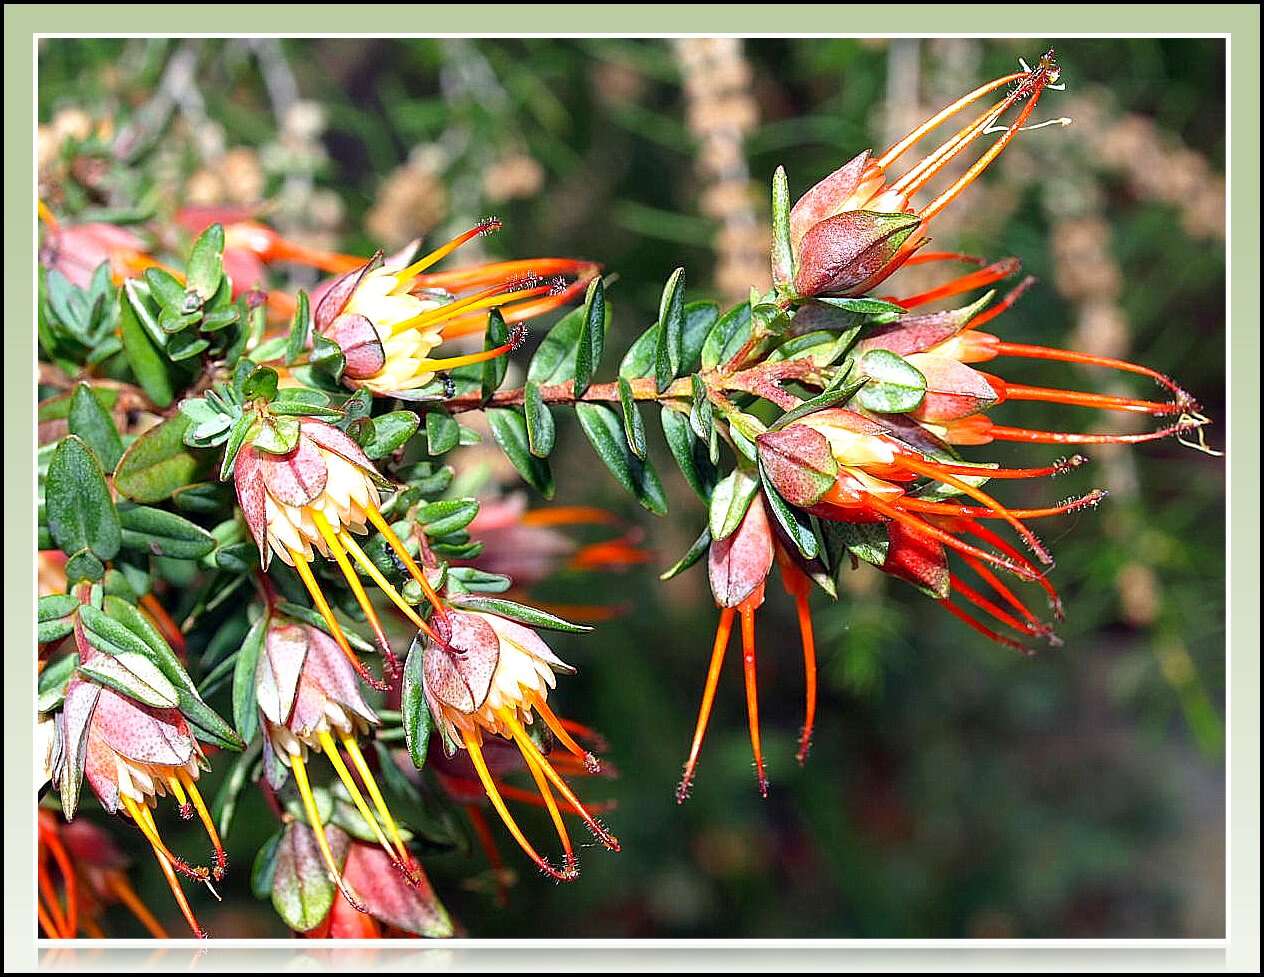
(954, 789)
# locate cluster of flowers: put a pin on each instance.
(882, 481)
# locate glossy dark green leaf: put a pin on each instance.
(206, 263)
(793, 523)
(592, 336)
(895, 385)
(442, 432)
(509, 428)
(90, 420)
(492, 372)
(447, 516)
(671, 321)
(416, 720)
(300, 328)
(262, 384)
(81, 513)
(555, 357)
(727, 336)
(530, 616)
(689, 452)
(541, 431)
(158, 463)
(604, 431)
(245, 704)
(700, 319)
(144, 355)
(51, 690)
(55, 617)
(695, 553)
(161, 533)
(391, 432)
(729, 502)
(263, 869)
(633, 423)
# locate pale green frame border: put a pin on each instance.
(1240, 21)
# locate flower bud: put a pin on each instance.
(799, 463)
(738, 564)
(851, 249)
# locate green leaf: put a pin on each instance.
(158, 463)
(828, 398)
(782, 252)
(493, 370)
(133, 675)
(53, 680)
(792, 523)
(442, 432)
(263, 869)
(700, 319)
(555, 357)
(417, 721)
(530, 616)
(391, 432)
(692, 556)
(447, 516)
(880, 310)
(80, 512)
(729, 502)
(541, 431)
(604, 431)
(206, 263)
(161, 533)
(143, 353)
(302, 890)
(689, 452)
(90, 420)
(55, 615)
(509, 428)
(300, 325)
(245, 704)
(277, 435)
(237, 435)
(262, 384)
(671, 321)
(633, 424)
(592, 336)
(327, 357)
(865, 541)
(84, 566)
(895, 386)
(727, 336)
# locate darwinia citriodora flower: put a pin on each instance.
(387, 317)
(489, 676)
(315, 499)
(899, 473)
(134, 754)
(310, 702)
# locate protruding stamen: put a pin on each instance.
(1011, 297)
(920, 525)
(993, 273)
(528, 747)
(174, 884)
(1026, 351)
(1000, 433)
(569, 864)
(558, 728)
(798, 586)
(982, 532)
(983, 629)
(145, 821)
(493, 794)
(452, 362)
(330, 749)
(747, 611)
(1031, 88)
(177, 790)
(932, 471)
(376, 575)
(938, 119)
(1060, 467)
(221, 859)
(1079, 398)
(722, 632)
(406, 276)
(489, 298)
(318, 829)
(348, 571)
(370, 782)
(406, 558)
(68, 877)
(327, 612)
(122, 889)
(1007, 595)
(959, 586)
(972, 512)
(929, 257)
